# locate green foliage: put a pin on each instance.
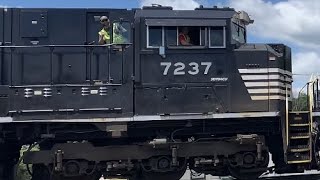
(300, 103)
(22, 172)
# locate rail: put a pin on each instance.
(294, 176)
(309, 96)
(304, 176)
(66, 45)
(287, 118)
(313, 93)
(89, 53)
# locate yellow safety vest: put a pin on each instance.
(105, 35)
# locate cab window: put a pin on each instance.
(172, 36)
(183, 36)
(217, 37)
(238, 33)
(189, 36)
(121, 33)
(155, 36)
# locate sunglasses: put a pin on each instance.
(105, 20)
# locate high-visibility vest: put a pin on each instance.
(105, 35)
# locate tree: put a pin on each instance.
(300, 103)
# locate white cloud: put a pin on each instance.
(306, 62)
(176, 4)
(295, 21)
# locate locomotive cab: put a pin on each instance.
(202, 75)
(174, 78)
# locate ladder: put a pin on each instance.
(299, 127)
(299, 138)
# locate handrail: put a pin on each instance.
(61, 45)
(89, 48)
(312, 95)
(316, 93)
(287, 117)
(296, 105)
(312, 102)
(311, 92)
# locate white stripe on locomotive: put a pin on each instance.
(266, 77)
(265, 70)
(264, 91)
(267, 84)
(258, 89)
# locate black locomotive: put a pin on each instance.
(149, 106)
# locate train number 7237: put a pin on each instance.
(179, 68)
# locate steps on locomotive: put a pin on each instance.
(299, 135)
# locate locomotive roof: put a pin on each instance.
(162, 12)
(209, 13)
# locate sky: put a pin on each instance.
(293, 22)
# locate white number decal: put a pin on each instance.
(179, 70)
(167, 66)
(208, 65)
(195, 68)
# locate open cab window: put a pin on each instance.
(183, 37)
(121, 33)
(189, 36)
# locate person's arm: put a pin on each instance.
(101, 41)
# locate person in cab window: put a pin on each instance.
(184, 38)
(118, 34)
(104, 36)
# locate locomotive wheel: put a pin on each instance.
(252, 171)
(172, 174)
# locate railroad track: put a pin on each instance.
(305, 176)
(293, 177)
(271, 177)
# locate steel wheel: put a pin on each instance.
(165, 175)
